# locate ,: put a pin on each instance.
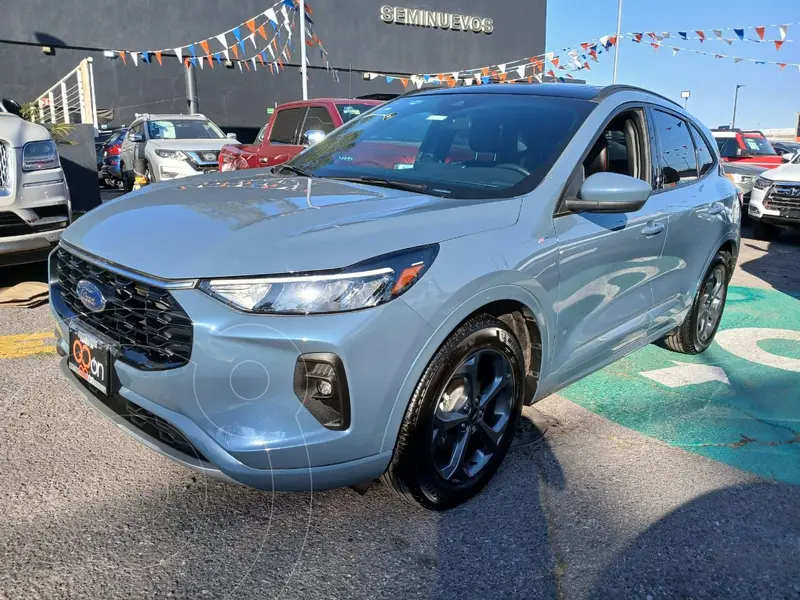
(385, 303)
